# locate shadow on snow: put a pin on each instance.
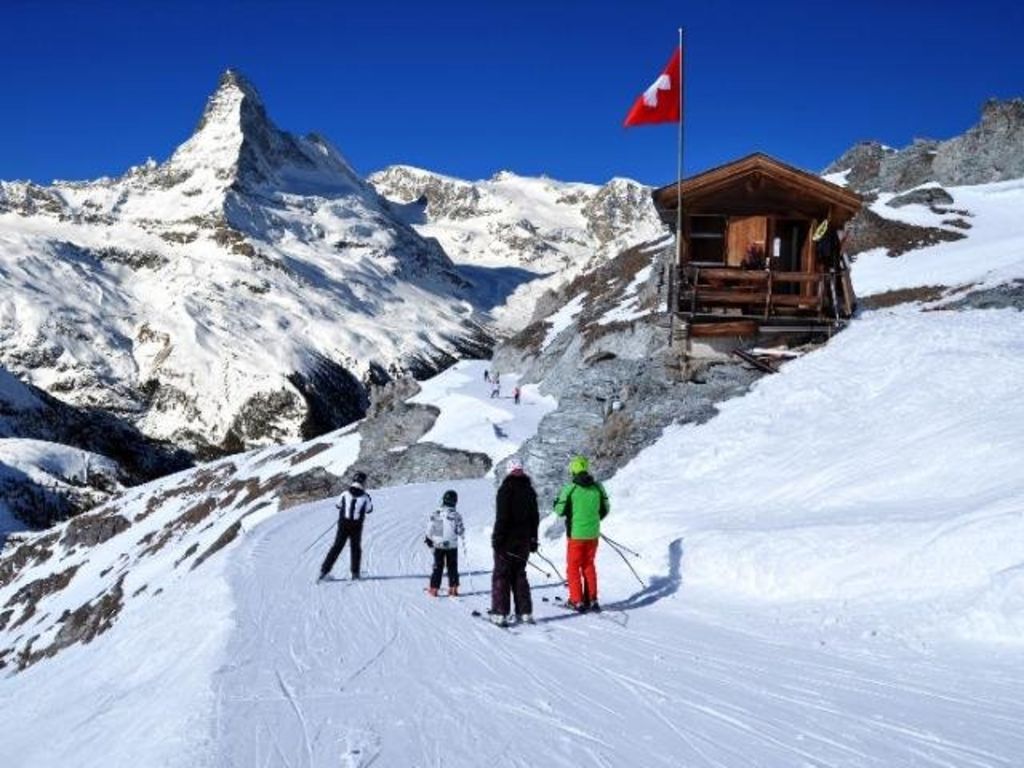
(659, 588)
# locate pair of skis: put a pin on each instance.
(508, 626)
(517, 624)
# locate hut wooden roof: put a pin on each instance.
(759, 184)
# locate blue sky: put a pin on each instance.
(470, 88)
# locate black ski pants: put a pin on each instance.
(348, 530)
(509, 582)
(442, 558)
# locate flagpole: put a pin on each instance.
(679, 164)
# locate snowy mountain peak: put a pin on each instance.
(252, 283)
(233, 93)
(236, 144)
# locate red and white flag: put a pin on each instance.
(660, 102)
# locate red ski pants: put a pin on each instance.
(581, 571)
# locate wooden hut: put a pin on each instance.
(761, 246)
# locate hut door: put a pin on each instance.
(792, 234)
(747, 235)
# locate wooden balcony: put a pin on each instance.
(760, 294)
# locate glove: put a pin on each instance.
(533, 545)
(428, 542)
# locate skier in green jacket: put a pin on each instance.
(583, 503)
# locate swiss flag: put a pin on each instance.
(660, 102)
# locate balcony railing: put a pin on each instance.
(756, 293)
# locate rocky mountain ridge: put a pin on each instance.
(990, 151)
(918, 175)
(552, 229)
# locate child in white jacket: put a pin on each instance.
(443, 533)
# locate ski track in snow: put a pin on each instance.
(376, 673)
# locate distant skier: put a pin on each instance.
(495, 388)
(514, 538)
(353, 506)
(444, 529)
(515, 395)
(584, 504)
(487, 376)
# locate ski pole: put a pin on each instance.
(527, 561)
(318, 538)
(617, 545)
(553, 566)
(616, 550)
(469, 570)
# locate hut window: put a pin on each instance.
(707, 239)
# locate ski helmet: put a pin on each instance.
(450, 498)
(359, 477)
(578, 465)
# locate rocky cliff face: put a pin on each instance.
(57, 461)
(244, 292)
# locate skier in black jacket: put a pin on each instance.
(513, 539)
(353, 505)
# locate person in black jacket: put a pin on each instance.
(353, 506)
(513, 539)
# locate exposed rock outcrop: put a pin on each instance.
(868, 230)
(616, 380)
(992, 150)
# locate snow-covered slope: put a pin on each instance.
(991, 254)
(549, 228)
(831, 567)
(880, 475)
(41, 482)
(241, 293)
(831, 574)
